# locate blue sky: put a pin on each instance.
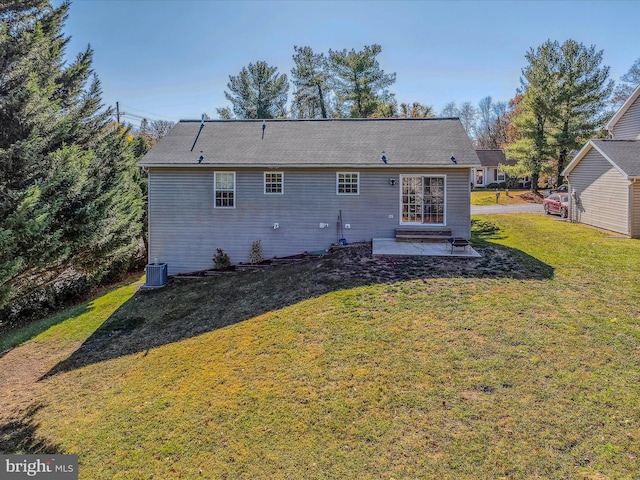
(171, 60)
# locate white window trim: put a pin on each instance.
(338, 183)
(215, 190)
(444, 213)
(281, 181)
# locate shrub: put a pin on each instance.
(221, 259)
(255, 254)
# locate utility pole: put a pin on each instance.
(118, 112)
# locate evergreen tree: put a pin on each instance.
(358, 81)
(258, 91)
(582, 99)
(310, 78)
(564, 94)
(69, 202)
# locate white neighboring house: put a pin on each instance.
(489, 172)
(603, 176)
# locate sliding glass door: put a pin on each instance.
(423, 199)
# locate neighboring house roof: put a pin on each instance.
(623, 155)
(625, 106)
(308, 143)
(493, 157)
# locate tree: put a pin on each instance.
(159, 128)
(630, 80)
(490, 130)
(450, 110)
(225, 113)
(466, 113)
(257, 92)
(416, 110)
(70, 205)
(539, 82)
(310, 78)
(582, 99)
(358, 81)
(564, 94)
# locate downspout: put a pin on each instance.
(632, 226)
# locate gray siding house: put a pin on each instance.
(224, 184)
(603, 176)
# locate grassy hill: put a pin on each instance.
(522, 364)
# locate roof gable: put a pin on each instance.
(623, 155)
(315, 143)
(623, 109)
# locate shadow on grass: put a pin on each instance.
(189, 307)
(17, 334)
(18, 436)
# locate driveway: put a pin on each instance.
(521, 208)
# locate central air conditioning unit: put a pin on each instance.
(156, 275)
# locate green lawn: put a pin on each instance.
(488, 197)
(293, 372)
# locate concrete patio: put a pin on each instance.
(389, 246)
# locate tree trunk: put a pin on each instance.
(534, 182)
(562, 162)
(323, 110)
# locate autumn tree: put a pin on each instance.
(257, 92)
(467, 114)
(449, 110)
(491, 126)
(416, 110)
(629, 82)
(358, 82)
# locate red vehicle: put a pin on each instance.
(557, 203)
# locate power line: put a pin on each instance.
(143, 111)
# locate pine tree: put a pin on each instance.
(310, 77)
(70, 205)
(358, 81)
(565, 91)
(258, 91)
(582, 99)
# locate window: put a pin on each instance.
(348, 183)
(273, 182)
(225, 189)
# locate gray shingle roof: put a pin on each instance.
(625, 154)
(307, 143)
(493, 157)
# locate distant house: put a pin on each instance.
(288, 183)
(489, 172)
(603, 176)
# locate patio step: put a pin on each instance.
(422, 234)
